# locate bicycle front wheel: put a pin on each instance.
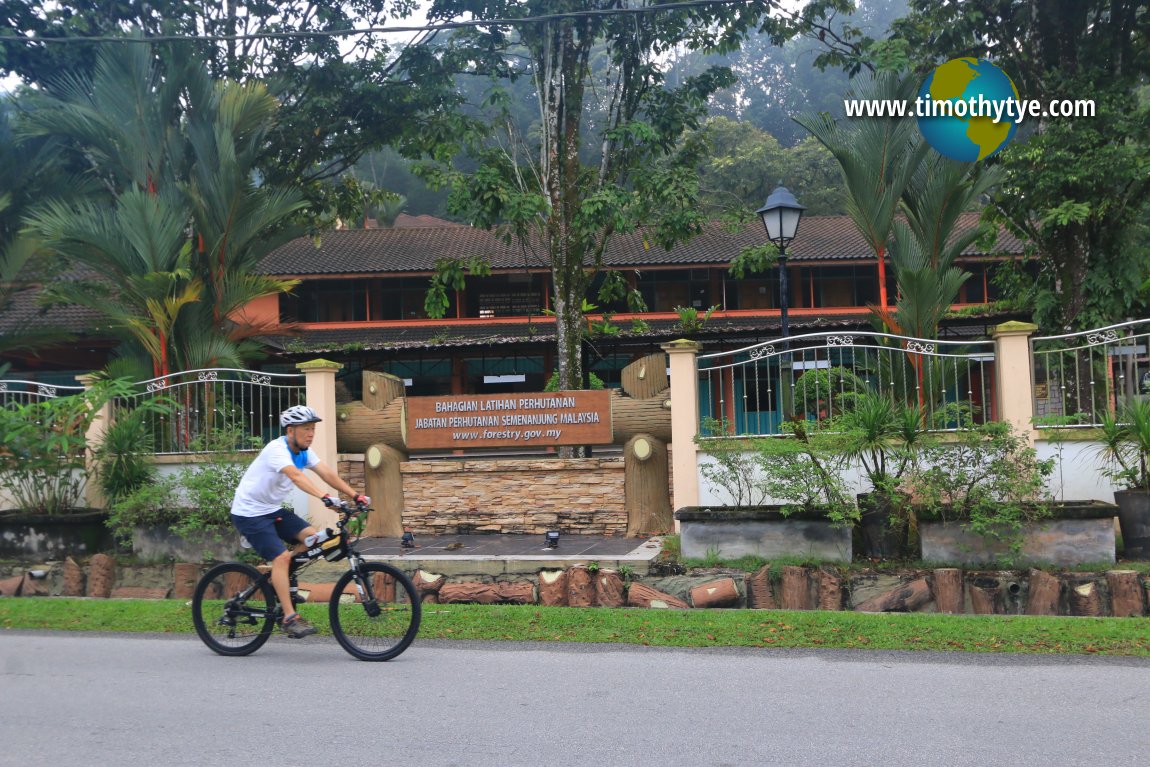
(233, 610)
(380, 619)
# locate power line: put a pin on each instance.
(442, 26)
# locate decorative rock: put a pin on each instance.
(101, 576)
(185, 575)
(639, 595)
(427, 585)
(721, 593)
(73, 579)
(609, 589)
(138, 592)
(759, 595)
(580, 587)
(553, 588)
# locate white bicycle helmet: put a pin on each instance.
(297, 415)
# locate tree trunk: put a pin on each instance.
(384, 484)
(1126, 598)
(74, 579)
(906, 598)
(185, 576)
(1085, 600)
(1045, 591)
(487, 593)
(101, 576)
(428, 585)
(830, 590)
(759, 594)
(580, 587)
(646, 487)
(364, 426)
(948, 591)
(985, 599)
(609, 589)
(383, 586)
(720, 593)
(796, 593)
(553, 588)
(641, 595)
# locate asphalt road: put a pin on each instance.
(91, 699)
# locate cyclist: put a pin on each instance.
(257, 508)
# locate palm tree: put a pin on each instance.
(184, 221)
(878, 158)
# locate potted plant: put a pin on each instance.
(1126, 449)
(786, 498)
(883, 437)
(186, 515)
(981, 497)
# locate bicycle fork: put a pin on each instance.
(364, 587)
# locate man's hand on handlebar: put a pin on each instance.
(362, 501)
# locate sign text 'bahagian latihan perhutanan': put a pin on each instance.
(505, 420)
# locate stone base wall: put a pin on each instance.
(579, 496)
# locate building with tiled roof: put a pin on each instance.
(361, 299)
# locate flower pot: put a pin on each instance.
(882, 531)
(158, 543)
(42, 537)
(1077, 532)
(1134, 520)
(731, 532)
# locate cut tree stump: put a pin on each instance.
(101, 576)
(1126, 597)
(383, 586)
(487, 593)
(902, 599)
(985, 598)
(759, 594)
(553, 588)
(1045, 593)
(949, 596)
(12, 587)
(723, 592)
(74, 579)
(796, 591)
(139, 592)
(830, 590)
(185, 575)
(580, 587)
(609, 589)
(427, 585)
(320, 593)
(1085, 600)
(641, 595)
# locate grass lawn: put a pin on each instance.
(667, 628)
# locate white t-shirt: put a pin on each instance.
(265, 487)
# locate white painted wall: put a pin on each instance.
(1077, 475)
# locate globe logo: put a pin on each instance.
(957, 107)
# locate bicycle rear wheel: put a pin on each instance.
(232, 612)
(381, 619)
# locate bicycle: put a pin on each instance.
(235, 610)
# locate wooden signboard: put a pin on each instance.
(508, 420)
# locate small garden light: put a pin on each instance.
(551, 541)
(408, 540)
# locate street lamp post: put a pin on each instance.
(781, 214)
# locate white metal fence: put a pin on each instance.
(220, 409)
(1078, 377)
(815, 376)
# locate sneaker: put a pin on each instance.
(298, 628)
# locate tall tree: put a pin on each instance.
(578, 183)
(341, 95)
(1075, 187)
(878, 158)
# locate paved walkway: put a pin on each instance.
(512, 553)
